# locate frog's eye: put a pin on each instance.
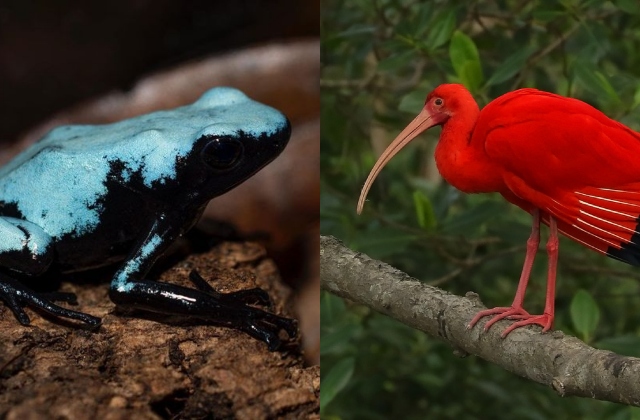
(222, 153)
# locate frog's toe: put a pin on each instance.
(289, 325)
(16, 296)
(264, 333)
(268, 329)
(92, 322)
(67, 297)
(259, 324)
(267, 326)
(17, 310)
(201, 284)
(251, 296)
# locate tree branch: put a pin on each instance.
(561, 362)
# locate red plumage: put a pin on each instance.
(569, 160)
(558, 158)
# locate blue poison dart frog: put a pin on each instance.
(86, 196)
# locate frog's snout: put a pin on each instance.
(281, 137)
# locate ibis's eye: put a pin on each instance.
(438, 102)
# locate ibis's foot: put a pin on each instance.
(515, 313)
(500, 313)
(544, 320)
(16, 296)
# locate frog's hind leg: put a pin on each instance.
(130, 289)
(27, 251)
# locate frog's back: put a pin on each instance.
(148, 141)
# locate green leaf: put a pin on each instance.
(511, 66)
(420, 21)
(467, 222)
(466, 61)
(382, 242)
(338, 338)
(358, 30)
(594, 81)
(332, 308)
(424, 211)
(585, 314)
(396, 61)
(545, 16)
(335, 380)
(636, 98)
(441, 30)
(634, 413)
(412, 102)
(628, 6)
(628, 344)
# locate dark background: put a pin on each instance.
(54, 54)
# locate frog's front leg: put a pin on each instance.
(130, 289)
(26, 250)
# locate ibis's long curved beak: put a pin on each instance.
(421, 123)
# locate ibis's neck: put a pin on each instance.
(462, 162)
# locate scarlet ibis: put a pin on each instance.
(560, 159)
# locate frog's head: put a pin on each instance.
(242, 137)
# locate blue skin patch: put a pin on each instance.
(19, 235)
(239, 114)
(86, 196)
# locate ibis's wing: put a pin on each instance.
(571, 161)
(603, 219)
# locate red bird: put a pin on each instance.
(560, 159)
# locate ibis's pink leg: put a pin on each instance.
(516, 309)
(546, 319)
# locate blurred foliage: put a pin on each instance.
(379, 60)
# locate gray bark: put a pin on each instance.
(562, 362)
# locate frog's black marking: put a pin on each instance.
(88, 196)
(10, 210)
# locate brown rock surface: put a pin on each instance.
(145, 369)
